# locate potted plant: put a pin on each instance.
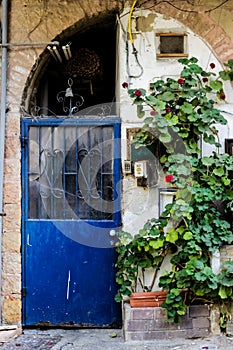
(183, 114)
(137, 256)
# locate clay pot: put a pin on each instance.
(147, 299)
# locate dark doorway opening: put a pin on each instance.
(91, 68)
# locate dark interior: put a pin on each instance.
(95, 85)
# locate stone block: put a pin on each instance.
(164, 334)
(12, 220)
(11, 283)
(199, 310)
(196, 333)
(215, 320)
(126, 314)
(12, 168)
(142, 314)
(153, 335)
(12, 192)
(11, 241)
(136, 325)
(137, 336)
(201, 322)
(12, 150)
(11, 263)
(186, 322)
(151, 325)
(11, 310)
(159, 312)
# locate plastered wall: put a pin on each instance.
(142, 203)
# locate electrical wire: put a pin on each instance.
(135, 52)
(130, 22)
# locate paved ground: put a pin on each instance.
(105, 339)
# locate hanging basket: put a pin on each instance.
(84, 64)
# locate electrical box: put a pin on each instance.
(140, 169)
(127, 167)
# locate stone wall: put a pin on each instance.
(150, 323)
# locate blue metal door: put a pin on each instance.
(71, 211)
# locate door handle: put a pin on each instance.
(112, 233)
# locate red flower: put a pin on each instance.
(153, 112)
(169, 178)
(205, 80)
(168, 109)
(125, 85)
(222, 96)
(181, 81)
(212, 65)
(138, 93)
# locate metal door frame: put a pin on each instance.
(113, 121)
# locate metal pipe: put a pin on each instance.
(56, 43)
(2, 129)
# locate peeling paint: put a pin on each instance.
(28, 241)
(68, 287)
(145, 24)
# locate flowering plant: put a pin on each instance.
(182, 114)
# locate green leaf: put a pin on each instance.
(218, 171)
(195, 68)
(163, 159)
(167, 96)
(223, 292)
(160, 105)
(226, 181)
(148, 120)
(225, 75)
(187, 108)
(216, 85)
(165, 138)
(156, 244)
(113, 335)
(140, 112)
(172, 236)
(173, 120)
(207, 161)
(209, 138)
(188, 235)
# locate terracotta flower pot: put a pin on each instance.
(147, 299)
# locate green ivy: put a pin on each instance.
(184, 114)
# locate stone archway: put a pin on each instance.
(32, 23)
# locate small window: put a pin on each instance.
(171, 45)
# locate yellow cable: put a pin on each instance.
(130, 22)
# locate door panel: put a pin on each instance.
(71, 182)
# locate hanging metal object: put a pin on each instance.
(85, 64)
(69, 92)
(71, 101)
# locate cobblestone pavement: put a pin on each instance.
(106, 339)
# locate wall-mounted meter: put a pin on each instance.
(127, 167)
(140, 169)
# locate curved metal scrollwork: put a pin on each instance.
(71, 101)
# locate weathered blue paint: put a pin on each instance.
(69, 265)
